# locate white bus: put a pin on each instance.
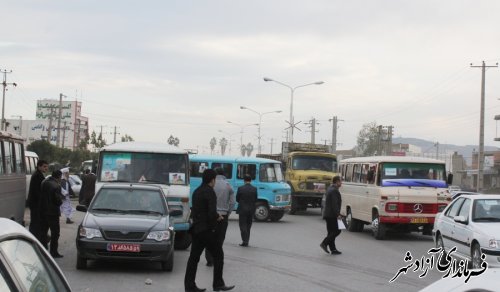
(393, 192)
(151, 163)
(31, 159)
(12, 177)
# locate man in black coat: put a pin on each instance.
(34, 195)
(331, 213)
(205, 217)
(50, 211)
(246, 196)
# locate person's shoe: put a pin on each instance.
(210, 264)
(324, 247)
(195, 289)
(69, 221)
(244, 244)
(336, 251)
(224, 288)
(57, 255)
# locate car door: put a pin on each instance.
(447, 224)
(461, 232)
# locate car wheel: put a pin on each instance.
(276, 215)
(261, 212)
(475, 256)
(440, 244)
(168, 265)
(353, 225)
(81, 263)
(378, 229)
(182, 240)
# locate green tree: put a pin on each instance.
(368, 139)
(223, 144)
(173, 141)
(213, 142)
(127, 138)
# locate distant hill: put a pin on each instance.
(428, 147)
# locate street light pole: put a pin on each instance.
(259, 149)
(292, 90)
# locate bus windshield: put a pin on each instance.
(413, 171)
(131, 167)
(303, 162)
(270, 172)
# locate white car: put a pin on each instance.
(25, 263)
(487, 281)
(471, 223)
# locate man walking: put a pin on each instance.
(87, 191)
(50, 203)
(246, 196)
(331, 213)
(67, 193)
(205, 218)
(34, 195)
(225, 205)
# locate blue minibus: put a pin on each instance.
(273, 192)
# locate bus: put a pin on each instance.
(393, 193)
(12, 177)
(31, 159)
(272, 190)
(151, 163)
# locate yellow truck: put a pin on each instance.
(309, 169)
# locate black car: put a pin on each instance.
(127, 222)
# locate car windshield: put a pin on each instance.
(306, 162)
(121, 200)
(270, 172)
(158, 168)
(486, 210)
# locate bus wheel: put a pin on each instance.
(182, 240)
(262, 212)
(277, 215)
(378, 229)
(353, 225)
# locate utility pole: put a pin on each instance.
(64, 134)
(49, 129)
(389, 140)
(480, 169)
(59, 119)
(334, 121)
(313, 124)
(4, 83)
(114, 135)
(272, 144)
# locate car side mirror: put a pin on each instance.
(460, 219)
(175, 213)
(81, 208)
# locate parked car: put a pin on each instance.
(472, 224)
(456, 194)
(25, 264)
(127, 222)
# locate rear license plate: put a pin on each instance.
(419, 220)
(124, 247)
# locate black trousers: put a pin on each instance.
(35, 223)
(50, 222)
(220, 236)
(333, 231)
(245, 221)
(204, 240)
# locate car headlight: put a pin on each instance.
(494, 243)
(159, 235)
(277, 198)
(89, 233)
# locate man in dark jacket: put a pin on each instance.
(246, 196)
(205, 217)
(331, 213)
(87, 191)
(50, 211)
(34, 195)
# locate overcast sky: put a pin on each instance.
(156, 68)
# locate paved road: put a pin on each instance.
(283, 256)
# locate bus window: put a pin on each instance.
(348, 173)
(270, 172)
(197, 168)
(8, 154)
(226, 167)
(18, 148)
(243, 169)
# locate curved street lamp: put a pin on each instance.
(292, 89)
(260, 122)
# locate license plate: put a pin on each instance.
(419, 220)
(319, 187)
(124, 247)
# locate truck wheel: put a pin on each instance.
(262, 212)
(182, 240)
(353, 225)
(277, 215)
(81, 263)
(168, 265)
(378, 229)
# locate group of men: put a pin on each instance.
(212, 203)
(47, 199)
